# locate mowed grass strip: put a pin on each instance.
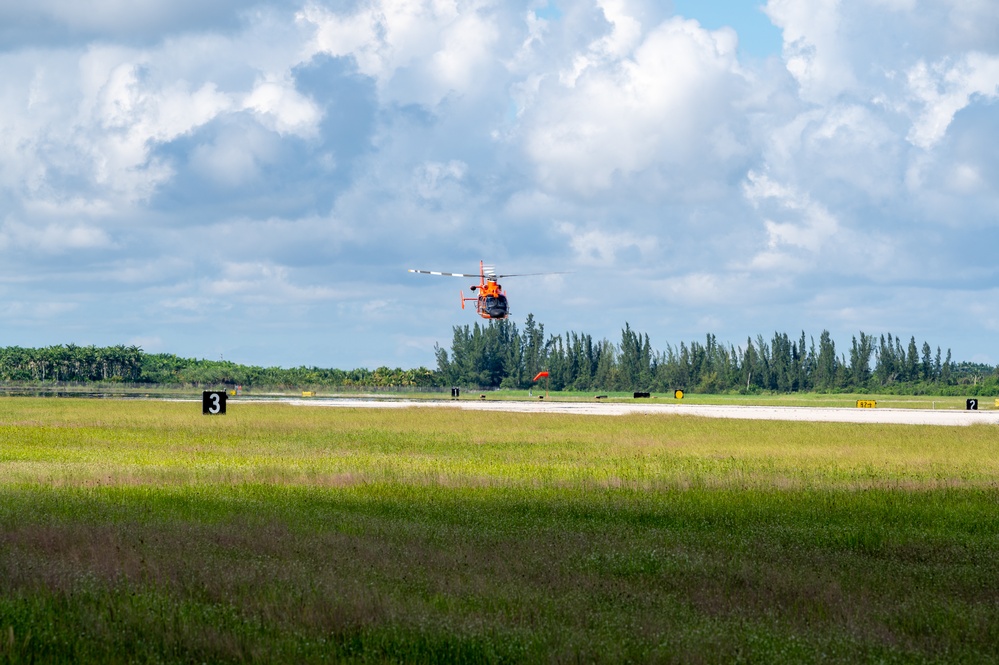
(146, 532)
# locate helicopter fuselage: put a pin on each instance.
(491, 302)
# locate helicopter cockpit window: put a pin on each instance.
(496, 306)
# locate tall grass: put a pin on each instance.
(145, 532)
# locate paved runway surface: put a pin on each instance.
(802, 413)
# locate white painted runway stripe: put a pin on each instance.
(787, 413)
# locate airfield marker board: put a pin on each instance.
(213, 402)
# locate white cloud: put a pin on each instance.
(650, 108)
(594, 247)
(283, 108)
(704, 288)
(418, 51)
(52, 238)
(837, 146)
(624, 36)
(813, 46)
(99, 129)
(263, 282)
(466, 48)
(813, 226)
(133, 119)
(941, 90)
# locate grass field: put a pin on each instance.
(136, 531)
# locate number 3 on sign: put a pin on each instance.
(213, 402)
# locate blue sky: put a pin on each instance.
(758, 36)
(253, 180)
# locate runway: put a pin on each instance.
(884, 416)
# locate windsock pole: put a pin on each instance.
(547, 381)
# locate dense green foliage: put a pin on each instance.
(168, 369)
(72, 363)
(144, 532)
(120, 364)
(499, 355)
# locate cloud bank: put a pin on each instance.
(253, 180)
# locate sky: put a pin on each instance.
(252, 180)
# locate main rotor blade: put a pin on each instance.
(531, 274)
(443, 274)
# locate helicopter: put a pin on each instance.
(491, 302)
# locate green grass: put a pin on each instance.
(146, 532)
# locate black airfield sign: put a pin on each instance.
(213, 402)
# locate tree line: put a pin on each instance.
(131, 365)
(498, 355)
(71, 363)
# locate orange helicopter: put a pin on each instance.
(491, 302)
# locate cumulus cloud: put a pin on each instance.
(941, 90)
(792, 246)
(95, 138)
(418, 51)
(283, 108)
(630, 104)
(814, 49)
